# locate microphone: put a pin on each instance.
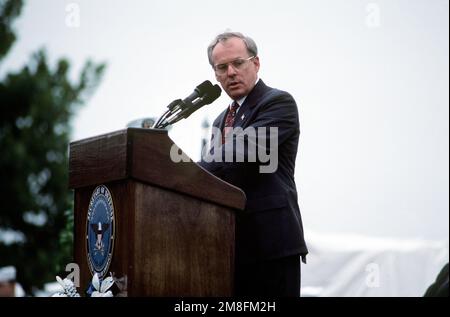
(199, 91)
(210, 94)
(203, 94)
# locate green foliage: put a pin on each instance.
(9, 10)
(36, 106)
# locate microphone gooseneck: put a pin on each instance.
(203, 94)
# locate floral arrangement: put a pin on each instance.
(101, 288)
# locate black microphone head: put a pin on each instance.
(212, 94)
(203, 87)
(208, 97)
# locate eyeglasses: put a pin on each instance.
(237, 64)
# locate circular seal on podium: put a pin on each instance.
(100, 231)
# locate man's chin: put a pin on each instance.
(235, 94)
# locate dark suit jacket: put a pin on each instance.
(271, 225)
(440, 287)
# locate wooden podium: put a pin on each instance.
(174, 222)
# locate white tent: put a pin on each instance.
(354, 265)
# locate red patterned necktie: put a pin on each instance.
(229, 120)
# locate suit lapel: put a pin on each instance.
(248, 107)
(245, 111)
(220, 121)
(243, 114)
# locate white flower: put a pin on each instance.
(102, 289)
(69, 289)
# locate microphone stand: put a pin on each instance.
(175, 107)
(181, 109)
(178, 109)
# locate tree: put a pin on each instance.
(36, 105)
(9, 10)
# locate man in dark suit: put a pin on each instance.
(269, 233)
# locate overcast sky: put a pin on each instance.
(370, 78)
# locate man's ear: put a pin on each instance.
(256, 62)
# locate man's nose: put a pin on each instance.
(230, 70)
